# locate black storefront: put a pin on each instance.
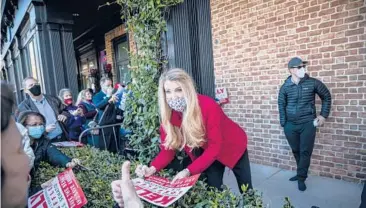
(62, 43)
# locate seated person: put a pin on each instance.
(75, 117)
(42, 147)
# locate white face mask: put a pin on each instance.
(300, 72)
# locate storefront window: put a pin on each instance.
(122, 61)
(32, 58)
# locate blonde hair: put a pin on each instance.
(81, 97)
(192, 129)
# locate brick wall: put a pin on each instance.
(109, 37)
(253, 42)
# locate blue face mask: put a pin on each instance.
(36, 131)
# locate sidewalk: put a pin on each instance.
(322, 192)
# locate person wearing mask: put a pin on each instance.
(296, 105)
(105, 96)
(90, 112)
(196, 124)
(48, 105)
(105, 101)
(76, 118)
(42, 147)
(14, 162)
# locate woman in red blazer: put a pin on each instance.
(197, 124)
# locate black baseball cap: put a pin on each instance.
(295, 62)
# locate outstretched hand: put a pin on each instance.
(123, 191)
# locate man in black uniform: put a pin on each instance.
(296, 104)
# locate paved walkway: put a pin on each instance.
(322, 192)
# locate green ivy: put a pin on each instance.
(145, 22)
(106, 167)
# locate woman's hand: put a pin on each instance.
(61, 118)
(74, 162)
(124, 192)
(50, 128)
(182, 174)
(144, 171)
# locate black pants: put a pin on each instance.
(363, 196)
(109, 139)
(214, 174)
(301, 138)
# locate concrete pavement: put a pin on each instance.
(322, 192)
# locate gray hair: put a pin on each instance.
(63, 92)
(104, 79)
(26, 79)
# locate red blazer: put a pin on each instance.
(226, 141)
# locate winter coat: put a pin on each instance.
(28, 105)
(226, 140)
(45, 151)
(55, 103)
(74, 124)
(296, 103)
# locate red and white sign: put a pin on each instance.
(63, 191)
(160, 191)
(221, 95)
(68, 144)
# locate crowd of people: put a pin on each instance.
(190, 122)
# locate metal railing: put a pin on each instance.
(101, 128)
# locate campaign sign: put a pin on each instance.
(64, 191)
(221, 95)
(160, 191)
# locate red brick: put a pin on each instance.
(301, 18)
(302, 29)
(355, 45)
(339, 28)
(251, 62)
(362, 10)
(337, 3)
(327, 49)
(354, 58)
(339, 41)
(326, 24)
(339, 15)
(313, 9)
(355, 32)
(326, 12)
(339, 53)
(354, 5)
(361, 77)
(327, 164)
(353, 19)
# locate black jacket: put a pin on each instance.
(55, 103)
(28, 105)
(45, 151)
(296, 103)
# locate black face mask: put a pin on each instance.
(35, 90)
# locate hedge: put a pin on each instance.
(106, 167)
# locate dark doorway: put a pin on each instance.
(189, 43)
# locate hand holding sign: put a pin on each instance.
(123, 190)
(182, 174)
(144, 171)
